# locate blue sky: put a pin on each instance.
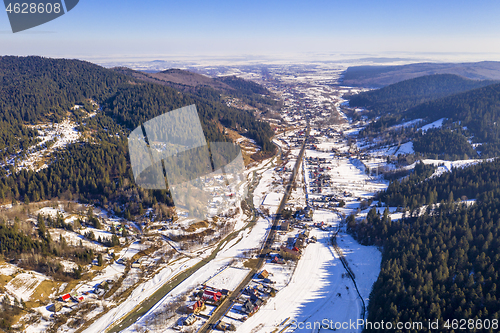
(142, 28)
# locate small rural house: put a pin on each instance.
(211, 295)
(190, 320)
(264, 274)
(196, 306)
(56, 307)
(289, 254)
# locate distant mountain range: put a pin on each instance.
(380, 76)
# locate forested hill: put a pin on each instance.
(418, 189)
(443, 266)
(203, 86)
(403, 95)
(441, 262)
(474, 114)
(35, 90)
(477, 110)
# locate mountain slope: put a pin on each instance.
(403, 95)
(200, 85)
(176, 78)
(474, 114)
(97, 169)
(442, 262)
(36, 89)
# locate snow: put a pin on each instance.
(407, 124)
(62, 134)
(24, 284)
(319, 277)
(250, 240)
(68, 265)
(73, 238)
(229, 278)
(405, 148)
(316, 288)
(436, 124)
(446, 166)
(8, 269)
(139, 294)
(272, 199)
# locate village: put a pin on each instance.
(313, 214)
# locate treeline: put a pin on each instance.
(439, 266)
(10, 310)
(469, 182)
(442, 263)
(243, 86)
(404, 95)
(35, 89)
(477, 110)
(15, 137)
(249, 92)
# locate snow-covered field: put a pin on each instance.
(24, 284)
(319, 288)
(229, 278)
(8, 269)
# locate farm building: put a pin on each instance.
(250, 307)
(76, 298)
(66, 298)
(222, 326)
(278, 260)
(299, 243)
(304, 234)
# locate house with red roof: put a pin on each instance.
(66, 298)
(212, 295)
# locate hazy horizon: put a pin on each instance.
(295, 31)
